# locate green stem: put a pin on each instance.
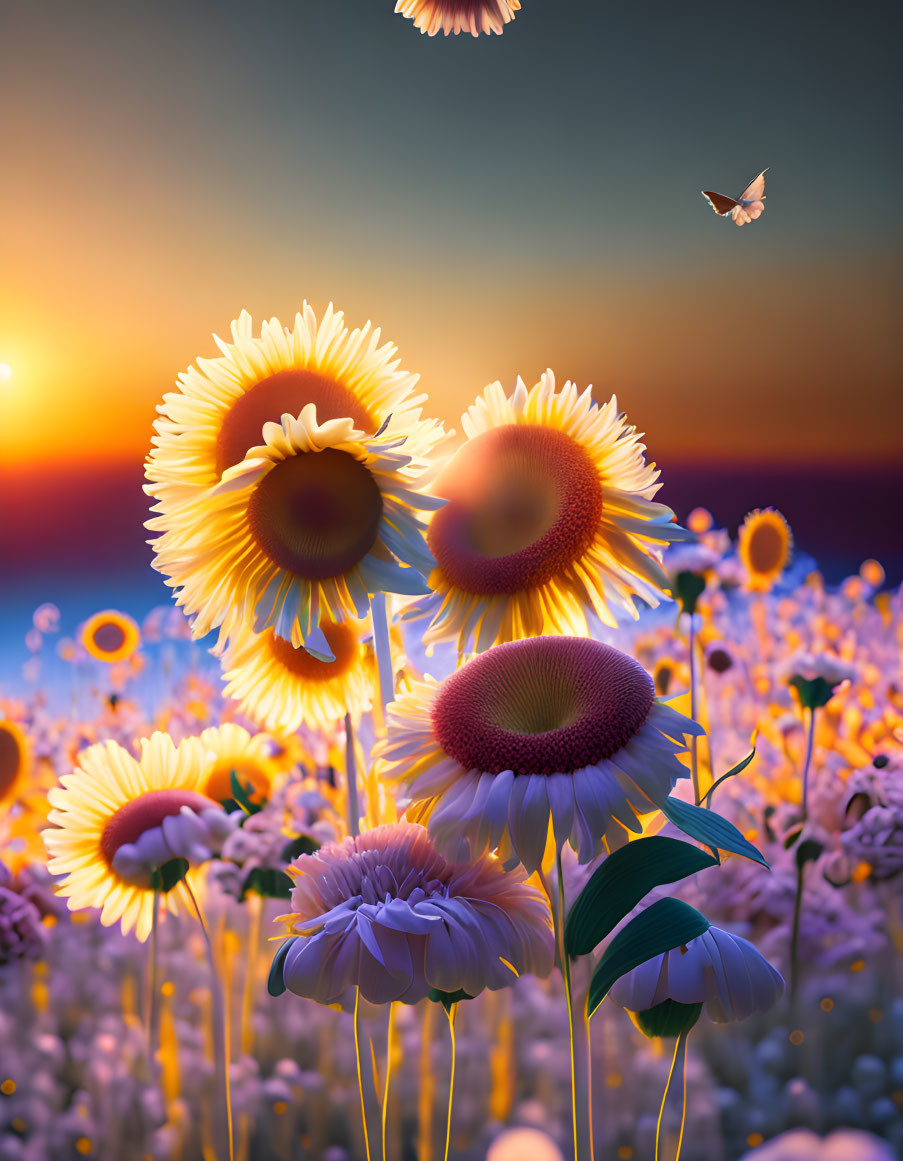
(681, 1043)
(807, 762)
(153, 991)
(451, 1012)
(795, 937)
(581, 1080)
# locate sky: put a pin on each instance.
(497, 206)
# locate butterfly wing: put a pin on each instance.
(755, 191)
(720, 204)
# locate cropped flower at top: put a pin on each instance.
(551, 730)
(386, 913)
(116, 821)
(454, 16)
(309, 524)
(549, 520)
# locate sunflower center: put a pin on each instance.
(218, 785)
(267, 401)
(109, 637)
(142, 814)
(316, 514)
(343, 642)
(524, 504)
(766, 548)
(720, 660)
(10, 758)
(545, 705)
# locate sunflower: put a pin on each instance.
(309, 524)
(282, 688)
(473, 16)
(252, 757)
(558, 731)
(110, 636)
(764, 546)
(218, 413)
(15, 762)
(116, 820)
(550, 519)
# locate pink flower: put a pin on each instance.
(385, 912)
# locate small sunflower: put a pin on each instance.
(282, 688)
(310, 524)
(218, 413)
(252, 757)
(764, 546)
(110, 636)
(550, 519)
(445, 16)
(551, 731)
(117, 820)
(15, 762)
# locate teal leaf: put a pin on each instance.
(812, 693)
(667, 924)
(242, 795)
(669, 1018)
(268, 882)
(622, 880)
(275, 981)
(688, 588)
(302, 845)
(734, 770)
(710, 829)
(169, 875)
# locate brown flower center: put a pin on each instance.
(142, 814)
(343, 642)
(267, 401)
(10, 760)
(109, 637)
(524, 504)
(766, 548)
(317, 514)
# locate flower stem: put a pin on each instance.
(352, 803)
(681, 1043)
(371, 1112)
(218, 1009)
(381, 644)
(795, 936)
(807, 762)
(153, 997)
(389, 1037)
(427, 1088)
(581, 1077)
(450, 1012)
(694, 752)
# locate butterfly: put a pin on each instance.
(746, 208)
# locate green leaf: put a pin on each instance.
(275, 982)
(242, 795)
(302, 845)
(667, 924)
(667, 1018)
(169, 875)
(734, 770)
(267, 881)
(622, 880)
(688, 588)
(448, 999)
(710, 829)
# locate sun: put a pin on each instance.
(6, 372)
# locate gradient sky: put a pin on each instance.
(496, 205)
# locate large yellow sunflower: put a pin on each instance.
(110, 816)
(764, 546)
(282, 688)
(15, 762)
(218, 413)
(473, 16)
(550, 518)
(310, 524)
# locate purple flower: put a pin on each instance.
(22, 934)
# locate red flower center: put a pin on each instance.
(142, 814)
(317, 514)
(267, 401)
(546, 705)
(524, 504)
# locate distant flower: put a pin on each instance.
(764, 547)
(22, 935)
(473, 16)
(873, 825)
(309, 524)
(117, 821)
(110, 636)
(550, 520)
(556, 730)
(15, 761)
(841, 1145)
(815, 676)
(386, 913)
(721, 971)
(230, 748)
(283, 688)
(46, 618)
